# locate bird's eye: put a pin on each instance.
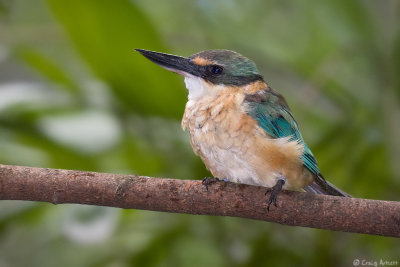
(216, 69)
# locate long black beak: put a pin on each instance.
(180, 65)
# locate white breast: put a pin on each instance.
(229, 163)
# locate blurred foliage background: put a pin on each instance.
(75, 95)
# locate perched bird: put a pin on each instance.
(241, 128)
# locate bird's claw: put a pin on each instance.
(207, 181)
(272, 199)
(267, 191)
(274, 192)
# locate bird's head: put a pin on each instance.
(208, 72)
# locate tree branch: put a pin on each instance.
(186, 196)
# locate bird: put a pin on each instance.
(242, 129)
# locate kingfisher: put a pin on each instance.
(242, 129)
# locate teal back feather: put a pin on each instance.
(274, 116)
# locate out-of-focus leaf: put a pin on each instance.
(49, 69)
(396, 59)
(107, 41)
(3, 8)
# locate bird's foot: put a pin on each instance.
(275, 191)
(207, 181)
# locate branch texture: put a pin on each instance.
(187, 196)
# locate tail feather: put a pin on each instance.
(321, 186)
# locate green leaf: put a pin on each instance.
(48, 68)
(107, 43)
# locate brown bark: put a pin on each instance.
(187, 196)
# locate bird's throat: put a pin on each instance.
(197, 87)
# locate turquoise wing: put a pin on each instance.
(271, 112)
